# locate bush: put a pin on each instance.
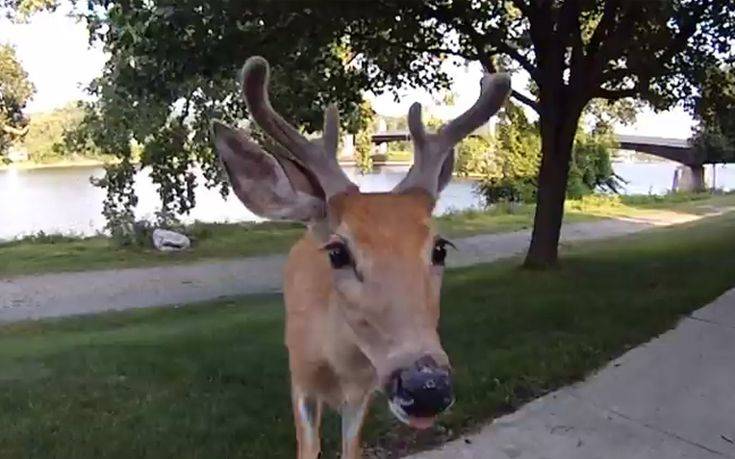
(591, 167)
(511, 171)
(473, 156)
(364, 139)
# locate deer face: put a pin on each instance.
(387, 260)
(387, 265)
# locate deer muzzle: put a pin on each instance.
(420, 392)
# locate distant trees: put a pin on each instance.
(46, 132)
(15, 90)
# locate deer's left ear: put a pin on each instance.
(271, 187)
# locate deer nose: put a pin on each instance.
(422, 390)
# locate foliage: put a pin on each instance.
(173, 68)
(20, 10)
(714, 137)
(364, 139)
(46, 130)
(511, 173)
(591, 168)
(603, 114)
(15, 90)
(473, 156)
(512, 170)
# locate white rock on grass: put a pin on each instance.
(170, 241)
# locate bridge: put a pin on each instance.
(678, 150)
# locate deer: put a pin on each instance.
(362, 286)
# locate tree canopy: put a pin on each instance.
(15, 90)
(172, 68)
(715, 110)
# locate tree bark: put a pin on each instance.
(557, 139)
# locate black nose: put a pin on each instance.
(423, 390)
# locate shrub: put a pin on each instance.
(511, 171)
(473, 156)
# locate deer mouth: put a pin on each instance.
(419, 393)
(417, 422)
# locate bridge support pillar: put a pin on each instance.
(689, 178)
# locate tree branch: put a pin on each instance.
(615, 94)
(480, 41)
(603, 27)
(525, 100)
(613, 43)
(15, 131)
(644, 74)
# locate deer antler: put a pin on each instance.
(431, 151)
(320, 155)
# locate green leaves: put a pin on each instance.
(714, 138)
(15, 90)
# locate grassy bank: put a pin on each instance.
(211, 380)
(55, 253)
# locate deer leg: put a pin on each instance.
(307, 412)
(353, 416)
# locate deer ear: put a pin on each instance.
(445, 174)
(279, 189)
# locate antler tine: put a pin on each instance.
(416, 125)
(255, 78)
(320, 155)
(494, 90)
(431, 151)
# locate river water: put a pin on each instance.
(62, 200)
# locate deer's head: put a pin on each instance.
(387, 260)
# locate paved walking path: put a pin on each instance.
(672, 398)
(62, 294)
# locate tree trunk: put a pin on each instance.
(557, 139)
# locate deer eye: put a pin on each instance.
(439, 252)
(339, 254)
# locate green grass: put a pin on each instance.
(57, 253)
(400, 155)
(212, 240)
(211, 380)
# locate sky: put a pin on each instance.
(54, 50)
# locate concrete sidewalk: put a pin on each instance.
(671, 398)
(62, 294)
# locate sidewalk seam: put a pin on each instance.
(667, 433)
(708, 321)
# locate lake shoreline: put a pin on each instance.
(30, 165)
(92, 162)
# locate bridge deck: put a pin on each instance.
(679, 150)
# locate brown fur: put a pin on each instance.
(344, 336)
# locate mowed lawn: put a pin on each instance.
(211, 380)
